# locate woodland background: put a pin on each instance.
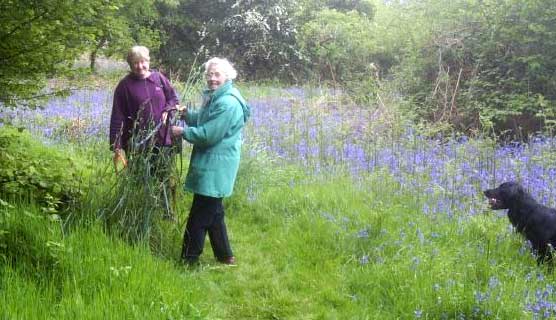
(468, 65)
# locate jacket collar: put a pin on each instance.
(150, 78)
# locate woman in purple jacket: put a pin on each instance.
(142, 101)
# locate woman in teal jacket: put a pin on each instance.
(215, 132)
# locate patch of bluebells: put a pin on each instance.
(323, 135)
(483, 297)
(84, 116)
(453, 171)
(328, 216)
(543, 305)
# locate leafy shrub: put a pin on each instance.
(486, 65)
(339, 45)
(346, 49)
(31, 171)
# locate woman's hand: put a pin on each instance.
(120, 162)
(164, 116)
(176, 131)
(181, 108)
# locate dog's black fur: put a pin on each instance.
(534, 221)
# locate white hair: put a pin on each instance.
(223, 65)
(137, 53)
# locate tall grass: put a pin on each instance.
(337, 214)
(304, 252)
(85, 275)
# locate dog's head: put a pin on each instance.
(504, 195)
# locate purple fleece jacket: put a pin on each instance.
(137, 107)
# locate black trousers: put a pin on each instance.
(206, 215)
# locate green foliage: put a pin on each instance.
(259, 37)
(183, 33)
(364, 7)
(515, 55)
(466, 65)
(477, 62)
(117, 25)
(42, 39)
(37, 40)
(30, 171)
(310, 9)
(340, 47)
(141, 196)
(86, 275)
(30, 242)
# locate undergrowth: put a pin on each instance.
(307, 248)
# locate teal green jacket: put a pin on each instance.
(215, 132)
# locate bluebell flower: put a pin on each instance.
(328, 216)
(364, 233)
(364, 260)
(418, 313)
(493, 282)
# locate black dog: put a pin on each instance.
(534, 221)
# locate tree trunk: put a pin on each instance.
(93, 60)
(94, 53)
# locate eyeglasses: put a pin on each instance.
(209, 75)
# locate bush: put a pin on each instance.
(339, 45)
(31, 171)
(477, 68)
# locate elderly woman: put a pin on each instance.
(215, 132)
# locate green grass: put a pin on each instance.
(326, 249)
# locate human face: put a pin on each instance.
(215, 77)
(140, 68)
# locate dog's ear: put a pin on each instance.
(517, 191)
(506, 189)
(520, 192)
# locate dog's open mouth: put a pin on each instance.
(495, 203)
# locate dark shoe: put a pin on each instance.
(231, 261)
